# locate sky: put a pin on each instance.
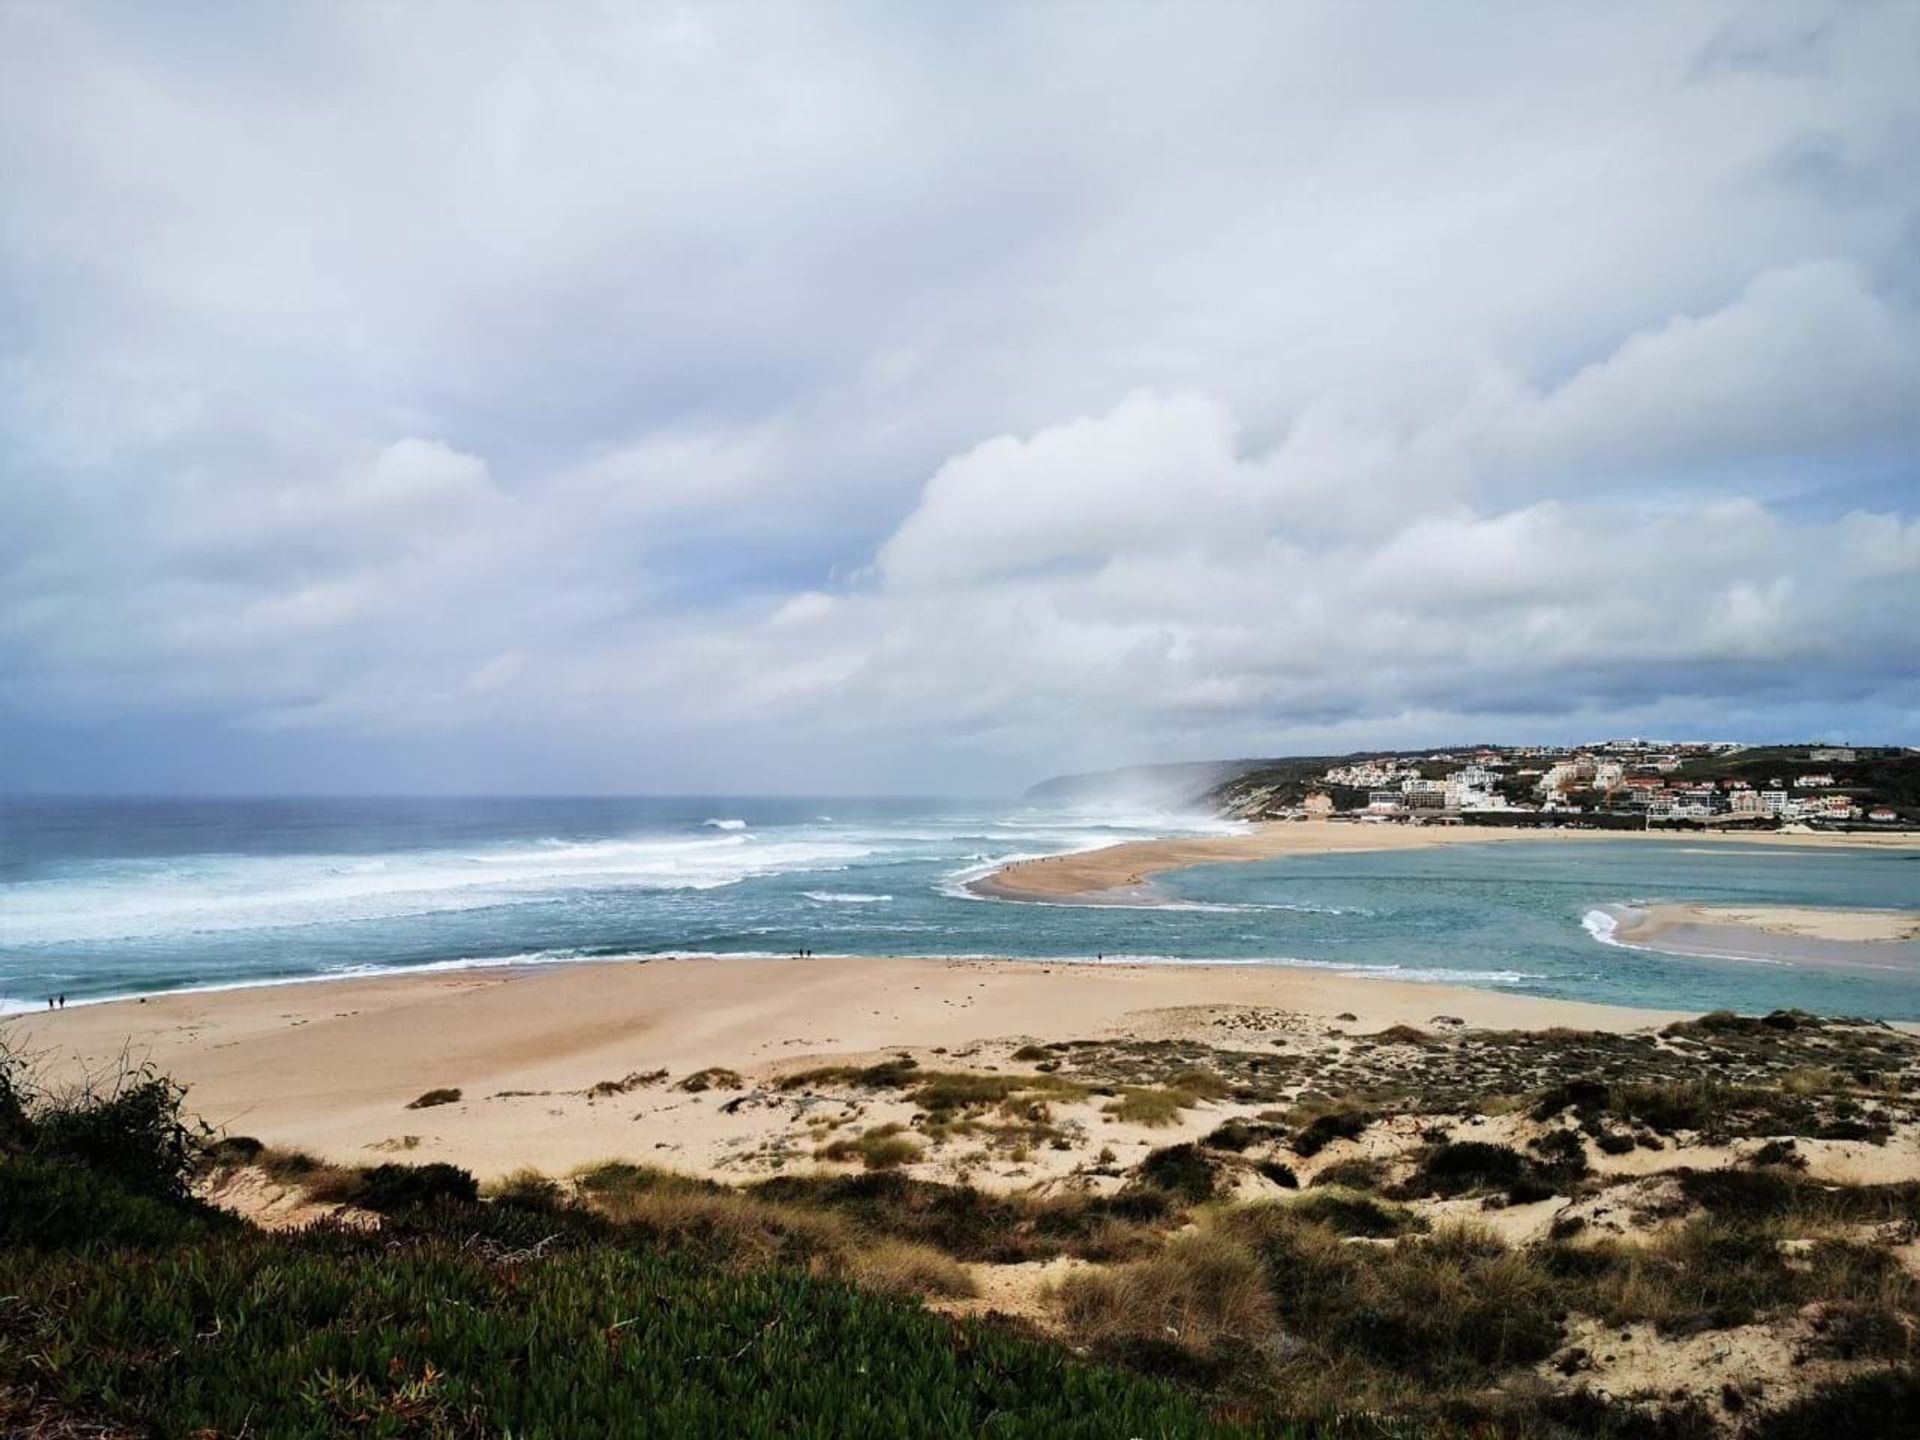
(925, 398)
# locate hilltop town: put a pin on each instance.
(1608, 783)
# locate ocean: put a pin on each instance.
(104, 898)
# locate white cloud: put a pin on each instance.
(865, 398)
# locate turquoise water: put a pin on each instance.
(105, 898)
(1532, 912)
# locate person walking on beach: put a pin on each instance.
(63, 1002)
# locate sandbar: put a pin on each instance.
(1864, 942)
(1806, 922)
(1120, 874)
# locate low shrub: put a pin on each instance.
(1347, 1212)
(433, 1098)
(1182, 1171)
(1882, 1403)
(1323, 1130)
(390, 1188)
(527, 1189)
(56, 1205)
(883, 1147)
(626, 1085)
(131, 1130)
(1454, 1307)
(1360, 1173)
(1239, 1136)
(1150, 1105)
(910, 1271)
(892, 1074)
(1588, 1099)
(974, 1225)
(1463, 1167)
(1713, 1274)
(1400, 1035)
(1199, 1295)
(1279, 1174)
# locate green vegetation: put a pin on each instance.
(433, 1330)
(126, 1304)
(627, 1299)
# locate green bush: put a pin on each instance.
(1346, 1212)
(132, 1132)
(1323, 1130)
(1180, 1170)
(389, 1188)
(51, 1205)
(1462, 1167)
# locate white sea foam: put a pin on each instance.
(1604, 927)
(835, 897)
(725, 824)
(219, 893)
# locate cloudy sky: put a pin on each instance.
(929, 397)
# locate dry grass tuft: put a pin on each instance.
(1148, 1105)
(900, 1267)
(884, 1147)
(1202, 1292)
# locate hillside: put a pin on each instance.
(1411, 1235)
(1876, 778)
(1172, 786)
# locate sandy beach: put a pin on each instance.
(1119, 874)
(332, 1067)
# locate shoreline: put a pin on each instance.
(1122, 874)
(540, 1054)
